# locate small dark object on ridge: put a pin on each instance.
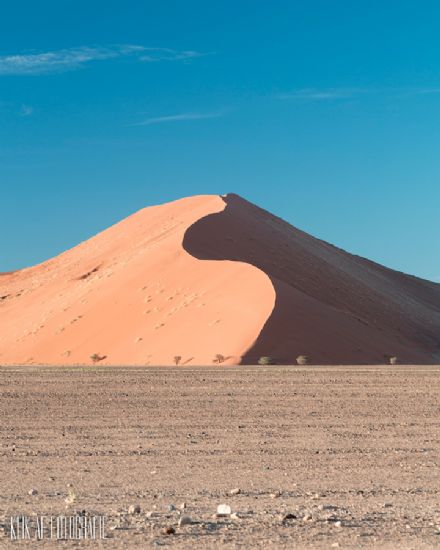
(96, 357)
(266, 361)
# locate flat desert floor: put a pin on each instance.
(323, 457)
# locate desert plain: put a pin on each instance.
(306, 457)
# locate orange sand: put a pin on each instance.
(211, 275)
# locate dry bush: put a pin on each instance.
(177, 359)
(266, 361)
(219, 358)
(96, 357)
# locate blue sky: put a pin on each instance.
(324, 112)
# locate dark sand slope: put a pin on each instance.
(330, 305)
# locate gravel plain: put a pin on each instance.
(305, 457)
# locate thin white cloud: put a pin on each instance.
(424, 91)
(167, 54)
(328, 94)
(316, 94)
(176, 118)
(26, 110)
(75, 58)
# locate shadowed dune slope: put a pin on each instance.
(330, 305)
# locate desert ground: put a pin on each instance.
(306, 457)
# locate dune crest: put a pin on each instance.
(213, 279)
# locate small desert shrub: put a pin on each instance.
(96, 357)
(266, 361)
(219, 358)
(71, 497)
(302, 360)
(392, 360)
(177, 359)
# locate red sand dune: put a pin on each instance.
(212, 275)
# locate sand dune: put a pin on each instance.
(211, 276)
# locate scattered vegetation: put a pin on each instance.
(96, 357)
(177, 359)
(87, 275)
(219, 358)
(266, 361)
(302, 360)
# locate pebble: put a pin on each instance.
(185, 520)
(151, 514)
(308, 517)
(286, 517)
(235, 516)
(276, 494)
(32, 492)
(223, 510)
(183, 506)
(338, 523)
(134, 509)
(169, 531)
(235, 491)
(327, 507)
(387, 505)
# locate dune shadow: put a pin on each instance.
(323, 308)
(235, 234)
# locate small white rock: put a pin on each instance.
(223, 510)
(134, 509)
(32, 492)
(338, 523)
(235, 491)
(183, 506)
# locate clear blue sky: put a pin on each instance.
(325, 112)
